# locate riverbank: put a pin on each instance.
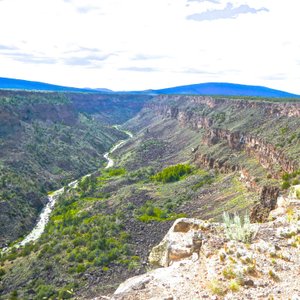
(44, 216)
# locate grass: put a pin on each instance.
(217, 287)
(229, 273)
(273, 275)
(234, 286)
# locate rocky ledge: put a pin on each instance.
(198, 260)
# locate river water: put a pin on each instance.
(46, 212)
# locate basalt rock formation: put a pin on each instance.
(268, 201)
(191, 114)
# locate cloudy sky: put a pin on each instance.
(142, 44)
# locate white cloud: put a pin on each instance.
(229, 12)
(141, 44)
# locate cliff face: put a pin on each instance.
(288, 109)
(266, 153)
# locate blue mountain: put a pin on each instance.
(17, 84)
(225, 89)
(212, 88)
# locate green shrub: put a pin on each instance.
(2, 272)
(116, 172)
(286, 176)
(148, 212)
(238, 229)
(13, 295)
(172, 173)
(65, 293)
(45, 292)
(285, 185)
(80, 268)
(207, 179)
(217, 287)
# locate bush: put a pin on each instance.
(172, 173)
(285, 185)
(13, 295)
(239, 230)
(80, 268)
(45, 292)
(286, 176)
(148, 212)
(65, 293)
(116, 172)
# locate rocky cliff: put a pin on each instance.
(216, 116)
(198, 260)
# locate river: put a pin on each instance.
(46, 212)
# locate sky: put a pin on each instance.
(151, 44)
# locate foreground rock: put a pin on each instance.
(197, 261)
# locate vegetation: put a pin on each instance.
(148, 212)
(116, 172)
(238, 229)
(96, 230)
(289, 179)
(51, 139)
(217, 287)
(77, 239)
(234, 286)
(172, 173)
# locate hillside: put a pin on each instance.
(18, 84)
(225, 89)
(206, 89)
(191, 156)
(48, 140)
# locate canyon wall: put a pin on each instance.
(267, 154)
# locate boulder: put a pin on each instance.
(182, 240)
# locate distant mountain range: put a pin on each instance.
(226, 89)
(212, 88)
(18, 84)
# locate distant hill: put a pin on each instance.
(211, 88)
(17, 84)
(225, 89)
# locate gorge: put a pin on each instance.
(241, 153)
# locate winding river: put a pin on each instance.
(46, 212)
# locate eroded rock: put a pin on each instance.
(182, 240)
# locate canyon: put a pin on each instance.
(243, 153)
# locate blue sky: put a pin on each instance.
(142, 44)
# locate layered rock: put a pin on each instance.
(288, 109)
(267, 154)
(268, 201)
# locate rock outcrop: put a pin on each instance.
(219, 268)
(291, 109)
(267, 154)
(183, 240)
(268, 201)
